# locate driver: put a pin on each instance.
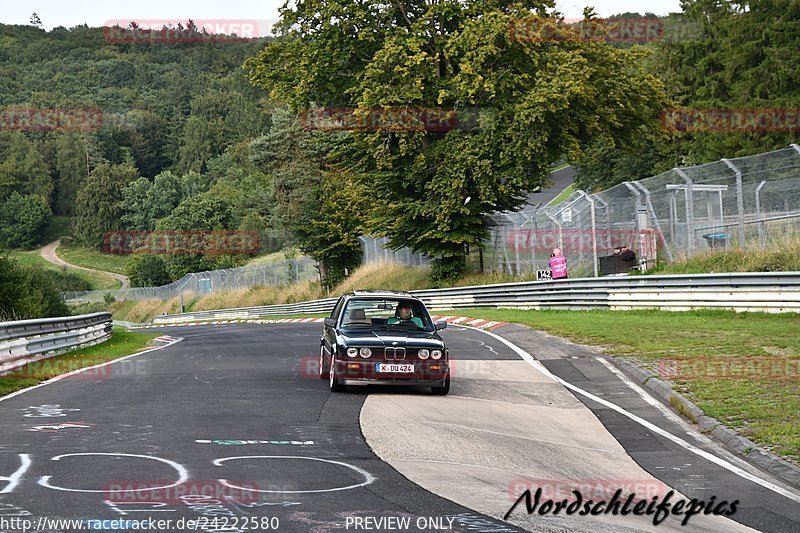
(403, 315)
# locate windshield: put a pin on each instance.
(386, 314)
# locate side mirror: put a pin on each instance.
(330, 322)
(440, 324)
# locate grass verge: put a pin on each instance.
(89, 258)
(563, 195)
(783, 256)
(121, 343)
(708, 347)
(95, 280)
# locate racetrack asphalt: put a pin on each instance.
(243, 403)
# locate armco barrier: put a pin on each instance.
(23, 341)
(775, 292)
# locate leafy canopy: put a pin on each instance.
(534, 101)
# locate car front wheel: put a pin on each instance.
(334, 381)
(322, 373)
(444, 389)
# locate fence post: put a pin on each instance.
(654, 216)
(689, 196)
(594, 230)
(739, 200)
(608, 220)
(762, 229)
(558, 225)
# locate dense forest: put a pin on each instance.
(215, 134)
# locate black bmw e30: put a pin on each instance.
(383, 338)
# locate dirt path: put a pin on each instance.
(49, 254)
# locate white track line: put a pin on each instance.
(652, 427)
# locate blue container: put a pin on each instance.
(717, 240)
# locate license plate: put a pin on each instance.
(395, 368)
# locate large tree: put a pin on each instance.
(521, 104)
(98, 203)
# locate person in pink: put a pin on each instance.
(558, 265)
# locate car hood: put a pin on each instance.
(422, 339)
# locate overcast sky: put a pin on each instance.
(97, 12)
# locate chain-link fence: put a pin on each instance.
(743, 202)
(198, 283)
(375, 251)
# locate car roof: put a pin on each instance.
(382, 294)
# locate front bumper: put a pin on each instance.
(426, 373)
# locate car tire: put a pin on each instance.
(322, 373)
(444, 389)
(333, 381)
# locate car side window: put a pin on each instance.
(337, 308)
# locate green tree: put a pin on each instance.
(27, 293)
(22, 220)
(329, 230)
(23, 169)
(533, 101)
(71, 170)
(98, 203)
(207, 211)
(147, 270)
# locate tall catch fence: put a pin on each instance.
(198, 283)
(746, 202)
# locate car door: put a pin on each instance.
(329, 331)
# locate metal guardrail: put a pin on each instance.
(23, 341)
(759, 291)
(312, 306)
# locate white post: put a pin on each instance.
(739, 200)
(594, 230)
(762, 230)
(689, 207)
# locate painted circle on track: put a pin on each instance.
(183, 474)
(368, 478)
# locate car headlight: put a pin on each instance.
(436, 354)
(352, 352)
(423, 353)
(365, 352)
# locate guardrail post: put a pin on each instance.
(689, 196)
(739, 200)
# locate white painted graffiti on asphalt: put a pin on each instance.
(368, 478)
(240, 442)
(181, 476)
(13, 479)
(9, 509)
(55, 428)
(47, 411)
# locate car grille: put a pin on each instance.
(392, 353)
